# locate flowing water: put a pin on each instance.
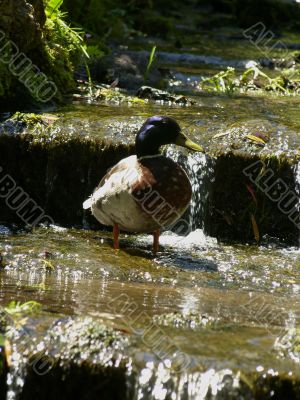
(229, 311)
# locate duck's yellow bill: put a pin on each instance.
(184, 141)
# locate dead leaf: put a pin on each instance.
(220, 135)
(49, 118)
(251, 191)
(256, 139)
(114, 83)
(7, 352)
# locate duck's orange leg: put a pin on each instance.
(156, 241)
(116, 232)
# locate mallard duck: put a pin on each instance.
(146, 192)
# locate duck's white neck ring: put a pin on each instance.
(150, 156)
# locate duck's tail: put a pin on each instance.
(87, 203)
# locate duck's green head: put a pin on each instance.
(157, 131)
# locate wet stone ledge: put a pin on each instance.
(56, 165)
(58, 161)
(85, 358)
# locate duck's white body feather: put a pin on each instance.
(113, 202)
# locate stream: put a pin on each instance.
(211, 317)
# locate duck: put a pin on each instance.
(146, 192)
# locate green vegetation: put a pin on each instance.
(229, 81)
(64, 46)
(16, 308)
(150, 62)
(66, 37)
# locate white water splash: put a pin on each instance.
(159, 383)
(199, 169)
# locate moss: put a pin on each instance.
(62, 53)
(103, 93)
(48, 43)
(20, 122)
(5, 80)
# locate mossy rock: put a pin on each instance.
(58, 167)
(60, 163)
(43, 45)
(82, 358)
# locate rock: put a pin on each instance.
(40, 56)
(21, 22)
(75, 358)
(129, 68)
(147, 92)
(18, 14)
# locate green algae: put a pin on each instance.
(105, 94)
(16, 309)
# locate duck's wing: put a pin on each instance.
(87, 203)
(124, 168)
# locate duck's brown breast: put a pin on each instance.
(163, 189)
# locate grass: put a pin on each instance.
(73, 34)
(230, 81)
(16, 308)
(150, 62)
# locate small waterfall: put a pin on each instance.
(199, 168)
(156, 382)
